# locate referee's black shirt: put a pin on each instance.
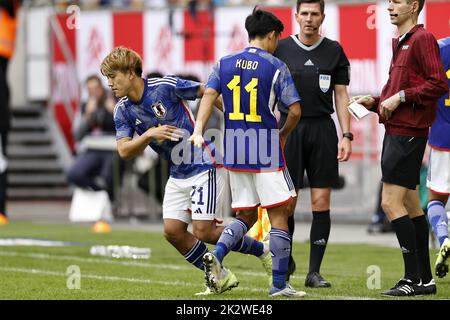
(315, 70)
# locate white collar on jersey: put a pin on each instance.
(304, 47)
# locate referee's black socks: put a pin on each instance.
(320, 231)
(406, 235)
(423, 252)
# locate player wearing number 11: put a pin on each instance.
(252, 82)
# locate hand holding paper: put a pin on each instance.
(358, 111)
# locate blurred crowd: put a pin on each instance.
(143, 4)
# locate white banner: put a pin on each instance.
(163, 46)
(231, 35)
(94, 41)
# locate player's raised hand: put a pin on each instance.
(165, 132)
(197, 140)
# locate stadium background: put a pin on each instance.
(58, 46)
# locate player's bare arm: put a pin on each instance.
(129, 148)
(210, 96)
(341, 101)
(218, 103)
(293, 117)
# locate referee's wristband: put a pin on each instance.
(348, 135)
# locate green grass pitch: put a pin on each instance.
(40, 272)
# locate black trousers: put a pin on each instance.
(93, 170)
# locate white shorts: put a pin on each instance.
(195, 198)
(438, 178)
(268, 189)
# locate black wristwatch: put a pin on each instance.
(348, 135)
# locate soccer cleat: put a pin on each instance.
(3, 220)
(207, 292)
(213, 270)
(441, 266)
(228, 281)
(218, 278)
(403, 288)
(315, 280)
(424, 289)
(287, 291)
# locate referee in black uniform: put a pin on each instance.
(319, 67)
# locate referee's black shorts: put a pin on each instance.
(401, 160)
(313, 146)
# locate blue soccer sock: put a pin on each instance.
(438, 219)
(250, 246)
(280, 245)
(230, 237)
(195, 255)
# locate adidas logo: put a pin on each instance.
(405, 47)
(228, 231)
(321, 242)
(404, 250)
(138, 122)
(406, 289)
(198, 211)
(309, 63)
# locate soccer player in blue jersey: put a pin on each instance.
(155, 109)
(438, 179)
(252, 82)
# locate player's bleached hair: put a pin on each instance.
(321, 2)
(122, 59)
(261, 22)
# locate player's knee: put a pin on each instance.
(204, 233)
(413, 209)
(75, 177)
(388, 205)
(173, 234)
(290, 207)
(249, 219)
(320, 203)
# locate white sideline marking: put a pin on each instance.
(148, 281)
(44, 256)
(96, 277)
(114, 278)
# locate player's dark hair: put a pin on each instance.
(421, 4)
(321, 2)
(261, 22)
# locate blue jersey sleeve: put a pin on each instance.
(214, 79)
(186, 89)
(123, 129)
(285, 89)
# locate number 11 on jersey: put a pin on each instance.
(251, 88)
